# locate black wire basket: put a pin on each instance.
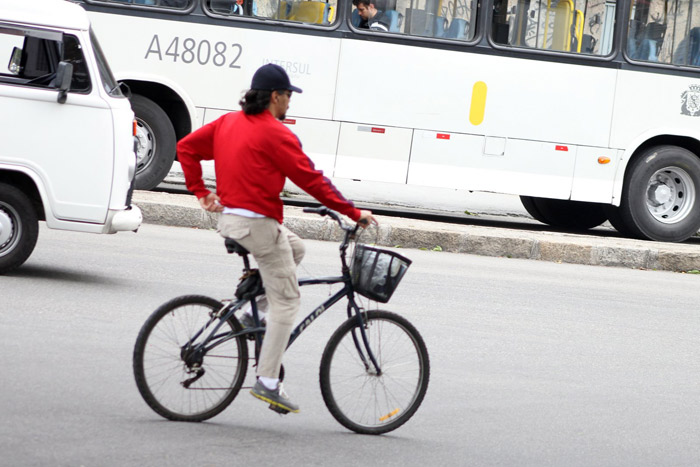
(376, 273)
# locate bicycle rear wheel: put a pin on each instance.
(173, 381)
(359, 398)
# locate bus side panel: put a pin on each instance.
(319, 140)
(373, 153)
(472, 162)
(445, 160)
(532, 168)
(594, 174)
(214, 64)
(209, 115)
(412, 87)
(647, 103)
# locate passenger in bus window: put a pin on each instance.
(227, 7)
(370, 17)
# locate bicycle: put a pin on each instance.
(191, 355)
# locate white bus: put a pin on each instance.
(587, 109)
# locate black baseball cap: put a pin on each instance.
(272, 77)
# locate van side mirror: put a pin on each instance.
(15, 65)
(64, 76)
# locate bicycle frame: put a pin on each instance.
(229, 309)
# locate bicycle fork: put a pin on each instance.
(367, 357)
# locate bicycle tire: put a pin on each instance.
(365, 402)
(161, 372)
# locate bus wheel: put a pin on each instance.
(532, 209)
(660, 197)
(155, 152)
(19, 228)
(615, 219)
(565, 214)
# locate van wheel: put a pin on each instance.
(19, 228)
(155, 151)
(660, 198)
(565, 214)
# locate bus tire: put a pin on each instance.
(660, 197)
(615, 219)
(567, 214)
(19, 228)
(156, 142)
(529, 205)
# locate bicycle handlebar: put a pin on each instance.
(324, 211)
(321, 210)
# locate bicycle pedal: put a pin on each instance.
(279, 410)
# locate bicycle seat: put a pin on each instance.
(233, 246)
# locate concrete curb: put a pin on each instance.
(184, 211)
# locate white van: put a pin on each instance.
(66, 130)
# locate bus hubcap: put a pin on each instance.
(146, 145)
(670, 195)
(6, 228)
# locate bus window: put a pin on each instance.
(577, 26)
(664, 32)
(426, 18)
(179, 4)
(380, 15)
(304, 11)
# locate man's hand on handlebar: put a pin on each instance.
(211, 203)
(366, 218)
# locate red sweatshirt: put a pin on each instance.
(252, 156)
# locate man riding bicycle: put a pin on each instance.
(253, 154)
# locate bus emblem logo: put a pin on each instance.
(690, 101)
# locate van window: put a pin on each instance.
(73, 53)
(30, 58)
(109, 83)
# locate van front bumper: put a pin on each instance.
(125, 220)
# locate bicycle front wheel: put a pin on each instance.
(360, 398)
(178, 383)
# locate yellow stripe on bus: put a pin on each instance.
(478, 105)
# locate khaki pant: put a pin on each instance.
(277, 252)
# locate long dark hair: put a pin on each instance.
(255, 101)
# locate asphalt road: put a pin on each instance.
(533, 363)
